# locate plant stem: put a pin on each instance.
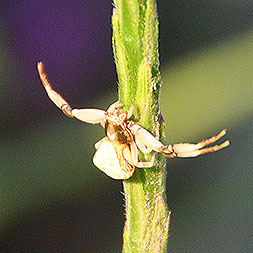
(135, 45)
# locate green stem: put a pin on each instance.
(135, 44)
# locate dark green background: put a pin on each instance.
(52, 198)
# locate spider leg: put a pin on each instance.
(93, 116)
(130, 111)
(145, 141)
(114, 106)
(135, 157)
(192, 150)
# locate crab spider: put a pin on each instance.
(117, 153)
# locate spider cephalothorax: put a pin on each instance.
(116, 124)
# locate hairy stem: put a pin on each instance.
(135, 45)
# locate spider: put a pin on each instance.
(117, 153)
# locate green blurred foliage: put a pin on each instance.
(209, 89)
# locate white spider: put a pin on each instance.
(117, 153)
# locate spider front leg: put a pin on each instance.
(93, 116)
(113, 107)
(135, 157)
(192, 150)
(145, 141)
(116, 105)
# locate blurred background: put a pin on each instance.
(52, 198)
